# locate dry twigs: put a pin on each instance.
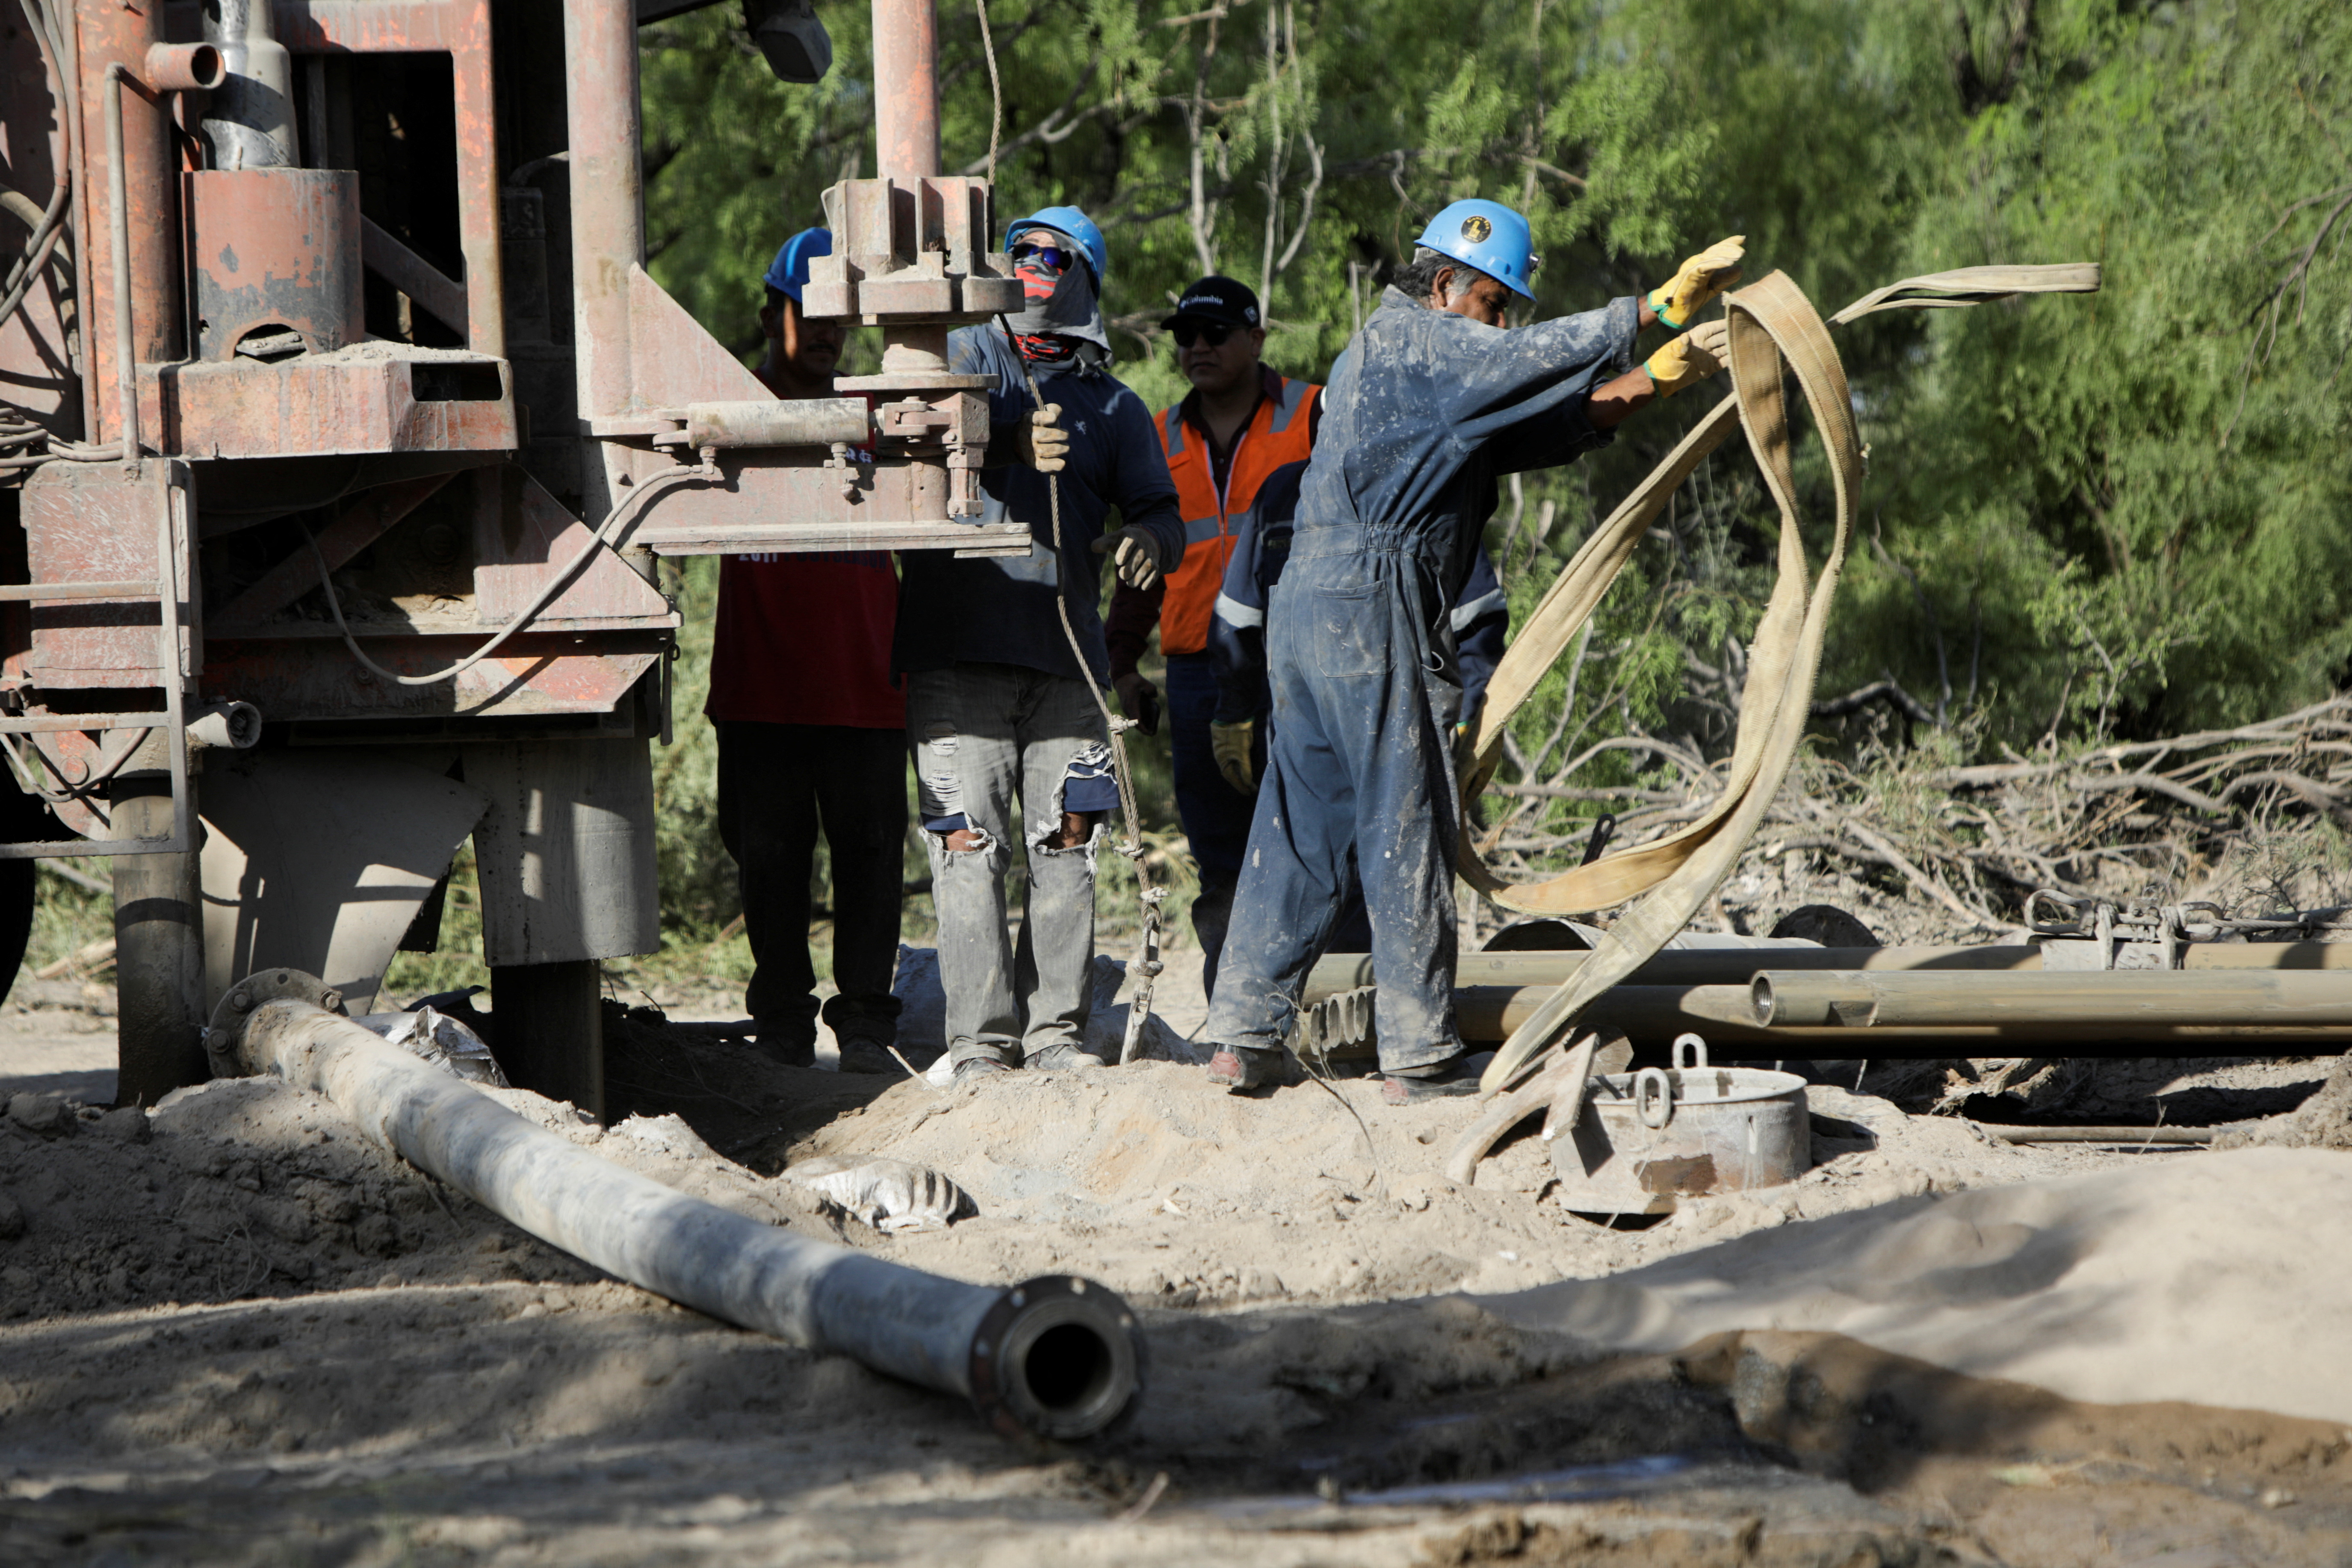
(2126, 819)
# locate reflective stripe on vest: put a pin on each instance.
(1276, 434)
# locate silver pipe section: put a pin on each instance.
(1339, 971)
(1059, 1357)
(802, 422)
(1725, 1015)
(2143, 999)
(251, 120)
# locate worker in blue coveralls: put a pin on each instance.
(998, 706)
(1238, 734)
(1429, 402)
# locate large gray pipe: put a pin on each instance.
(1058, 1356)
(2149, 999)
(1725, 1015)
(251, 120)
(1340, 971)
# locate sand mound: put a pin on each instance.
(1176, 1193)
(2322, 1121)
(2218, 1280)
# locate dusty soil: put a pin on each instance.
(233, 1330)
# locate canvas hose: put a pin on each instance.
(1774, 330)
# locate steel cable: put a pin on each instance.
(1146, 965)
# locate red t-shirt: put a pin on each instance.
(805, 640)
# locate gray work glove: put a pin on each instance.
(1135, 553)
(1042, 443)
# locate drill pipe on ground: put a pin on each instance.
(2125, 999)
(1340, 971)
(2142, 1137)
(1058, 1356)
(1726, 1015)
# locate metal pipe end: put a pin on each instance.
(225, 1036)
(231, 726)
(184, 68)
(1058, 1357)
(1759, 991)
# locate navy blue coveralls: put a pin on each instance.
(1421, 412)
(1480, 617)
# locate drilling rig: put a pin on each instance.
(342, 428)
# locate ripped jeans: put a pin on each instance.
(983, 735)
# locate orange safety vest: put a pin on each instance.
(1278, 433)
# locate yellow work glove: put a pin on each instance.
(1042, 443)
(1702, 278)
(1229, 745)
(1136, 554)
(1696, 355)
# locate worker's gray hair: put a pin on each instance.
(1418, 281)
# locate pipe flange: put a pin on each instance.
(1058, 1357)
(246, 997)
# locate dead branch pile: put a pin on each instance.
(2249, 818)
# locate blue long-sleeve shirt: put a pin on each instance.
(1480, 618)
(1000, 609)
(1425, 408)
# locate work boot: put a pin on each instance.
(972, 1070)
(868, 1056)
(1456, 1075)
(784, 1047)
(1237, 1067)
(1063, 1058)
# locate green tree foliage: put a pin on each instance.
(2123, 512)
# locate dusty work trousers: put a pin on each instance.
(983, 736)
(779, 784)
(1360, 771)
(1216, 816)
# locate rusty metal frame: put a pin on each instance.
(165, 589)
(460, 29)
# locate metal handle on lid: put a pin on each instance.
(1653, 1097)
(1696, 1049)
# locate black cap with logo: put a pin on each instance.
(1223, 301)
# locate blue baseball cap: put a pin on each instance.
(789, 272)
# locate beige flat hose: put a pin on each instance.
(1774, 330)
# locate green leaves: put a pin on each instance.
(2159, 472)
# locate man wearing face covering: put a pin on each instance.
(998, 709)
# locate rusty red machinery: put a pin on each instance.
(328, 532)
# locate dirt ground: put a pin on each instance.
(233, 1330)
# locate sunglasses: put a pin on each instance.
(1188, 333)
(1052, 257)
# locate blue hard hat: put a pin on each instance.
(790, 270)
(1078, 225)
(1489, 236)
